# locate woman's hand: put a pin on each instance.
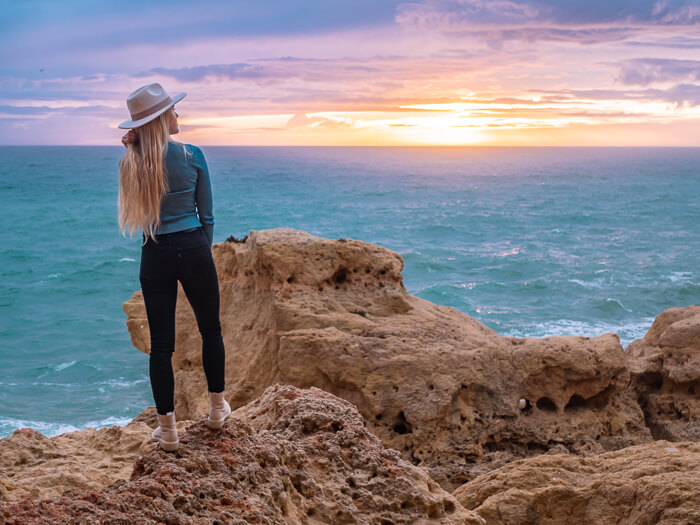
(130, 138)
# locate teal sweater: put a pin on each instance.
(188, 202)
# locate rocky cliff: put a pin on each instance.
(360, 403)
(446, 391)
(665, 371)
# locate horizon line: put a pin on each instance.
(451, 146)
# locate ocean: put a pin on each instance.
(529, 241)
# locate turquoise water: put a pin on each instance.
(531, 242)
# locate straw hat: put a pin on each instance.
(147, 103)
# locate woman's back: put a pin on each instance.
(189, 191)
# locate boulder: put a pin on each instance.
(446, 391)
(651, 484)
(291, 457)
(665, 371)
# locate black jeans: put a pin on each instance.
(183, 256)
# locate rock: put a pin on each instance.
(430, 381)
(665, 371)
(149, 416)
(291, 457)
(32, 464)
(655, 483)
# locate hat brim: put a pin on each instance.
(130, 124)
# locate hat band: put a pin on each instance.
(143, 114)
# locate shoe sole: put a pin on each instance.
(168, 446)
(216, 424)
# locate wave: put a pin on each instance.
(57, 368)
(50, 429)
(431, 266)
(628, 332)
(680, 277)
(598, 283)
(611, 306)
(506, 253)
(117, 383)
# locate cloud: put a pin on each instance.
(198, 73)
(170, 21)
(687, 95)
(312, 61)
(301, 120)
(454, 15)
(22, 111)
(684, 95)
(674, 42)
(9, 110)
(668, 12)
(646, 71)
(271, 69)
(585, 36)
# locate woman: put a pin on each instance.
(164, 190)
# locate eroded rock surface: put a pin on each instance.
(665, 369)
(652, 484)
(32, 464)
(291, 457)
(446, 391)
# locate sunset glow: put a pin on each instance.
(433, 72)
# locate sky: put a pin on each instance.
(357, 72)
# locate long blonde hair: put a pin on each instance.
(143, 179)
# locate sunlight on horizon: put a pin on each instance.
(467, 122)
(425, 72)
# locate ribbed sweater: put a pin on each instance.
(188, 202)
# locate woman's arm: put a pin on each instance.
(203, 195)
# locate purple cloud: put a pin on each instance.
(674, 42)
(198, 73)
(645, 71)
(585, 36)
(268, 69)
(450, 15)
(680, 94)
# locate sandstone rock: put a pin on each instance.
(665, 369)
(656, 483)
(291, 457)
(431, 382)
(32, 464)
(149, 416)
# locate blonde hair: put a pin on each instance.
(143, 179)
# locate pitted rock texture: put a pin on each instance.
(32, 464)
(291, 457)
(665, 369)
(652, 484)
(431, 382)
